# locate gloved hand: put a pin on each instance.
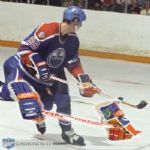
(118, 133)
(86, 87)
(40, 66)
(36, 66)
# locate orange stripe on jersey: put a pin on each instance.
(46, 30)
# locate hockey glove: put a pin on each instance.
(29, 103)
(36, 66)
(86, 87)
(40, 66)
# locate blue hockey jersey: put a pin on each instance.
(56, 51)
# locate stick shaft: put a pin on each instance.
(122, 101)
(58, 79)
(64, 117)
(131, 105)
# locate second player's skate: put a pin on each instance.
(41, 127)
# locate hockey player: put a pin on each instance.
(49, 49)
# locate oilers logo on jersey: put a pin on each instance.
(56, 58)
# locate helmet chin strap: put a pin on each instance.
(77, 28)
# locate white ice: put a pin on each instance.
(116, 78)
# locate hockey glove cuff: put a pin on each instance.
(40, 66)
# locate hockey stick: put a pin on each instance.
(141, 104)
(65, 117)
(58, 79)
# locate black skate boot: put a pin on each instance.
(1, 83)
(72, 138)
(41, 127)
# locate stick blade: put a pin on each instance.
(142, 104)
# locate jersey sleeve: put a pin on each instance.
(76, 68)
(30, 43)
(34, 41)
(74, 65)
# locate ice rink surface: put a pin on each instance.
(116, 78)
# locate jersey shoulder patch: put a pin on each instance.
(46, 30)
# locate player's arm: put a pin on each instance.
(30, 47)
(86, 87)
(35, 65)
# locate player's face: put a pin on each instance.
(75, 25)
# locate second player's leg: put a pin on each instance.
(11, 71)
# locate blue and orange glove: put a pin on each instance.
(36, 66)
(40, 66)
(86, 87)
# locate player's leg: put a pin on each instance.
(29, 102)
(10, 73)
(47, 101)
(15, 88)
(4, 92)
(62, 100)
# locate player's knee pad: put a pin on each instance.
(29, 102)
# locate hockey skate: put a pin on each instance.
(41, 127)
(1, 83)
(72, 138)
